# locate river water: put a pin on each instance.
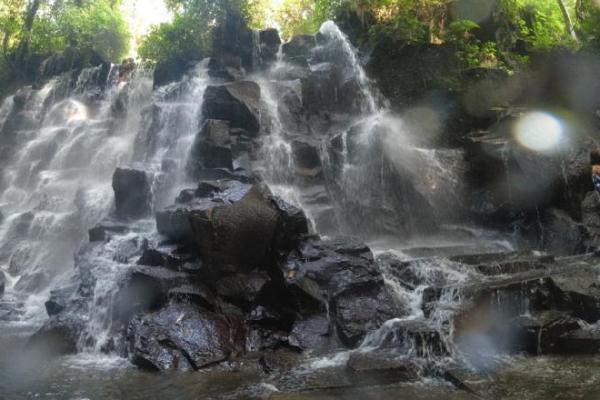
(95, 377)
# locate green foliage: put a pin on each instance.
(588, 18)
(538, 23)
(92, 24)
(96, 25)
(190, 32)
(181, 38)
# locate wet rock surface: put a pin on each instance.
(233, 273)
(236, 102)
(181, 336)
(132, 193)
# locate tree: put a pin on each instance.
(567, 18)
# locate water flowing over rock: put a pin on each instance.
(236, 102)
(265, 205)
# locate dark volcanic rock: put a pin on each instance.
(240, 234)
(292, 225)
(211, 148)
(133, 194)
(147, 289)
(561, 235)
(578, 341)
(174, 221)
(306, 154)
(172, 70)
(590, 217)
(319, 88)
(269, 46)
(242, 288)
(59, 299)
(182, 336)
(341, 272)
(197, 294)
(313, 333)
(105, 229)
(238, 103)
(362, 310)
(216, 69)
(299, 48)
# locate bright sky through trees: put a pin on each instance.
(141, 15)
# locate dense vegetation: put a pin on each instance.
(33, 29)
(489, 33)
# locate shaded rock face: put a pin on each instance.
(240, 234)
(172, 69)
(212, 147)
(341, 275)
(236, 102)
(181, 336)
(133, 198)
(269, 46)
(299, 48)
(528, 311)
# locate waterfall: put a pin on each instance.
(56, 183)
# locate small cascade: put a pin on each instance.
(167, 131)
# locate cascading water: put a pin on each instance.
(327, 143)
(56, 183)
(165, 134)
(381, 185)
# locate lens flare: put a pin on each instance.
(539, 131)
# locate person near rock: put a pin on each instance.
(596, 177)
(595, 160)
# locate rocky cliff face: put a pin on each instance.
(209, 250)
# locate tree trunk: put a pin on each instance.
(30, 14)
(568, 20)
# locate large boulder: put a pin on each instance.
(237, 102)
(319, 88)
(298, 50)
(306, 154)
(174, 221)
(240, 234)
(340, 275)
(211, 148)
(133, 193)
(172, 69)
(182, 336)
(269, 46)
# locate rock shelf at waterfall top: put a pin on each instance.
(221, 222)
